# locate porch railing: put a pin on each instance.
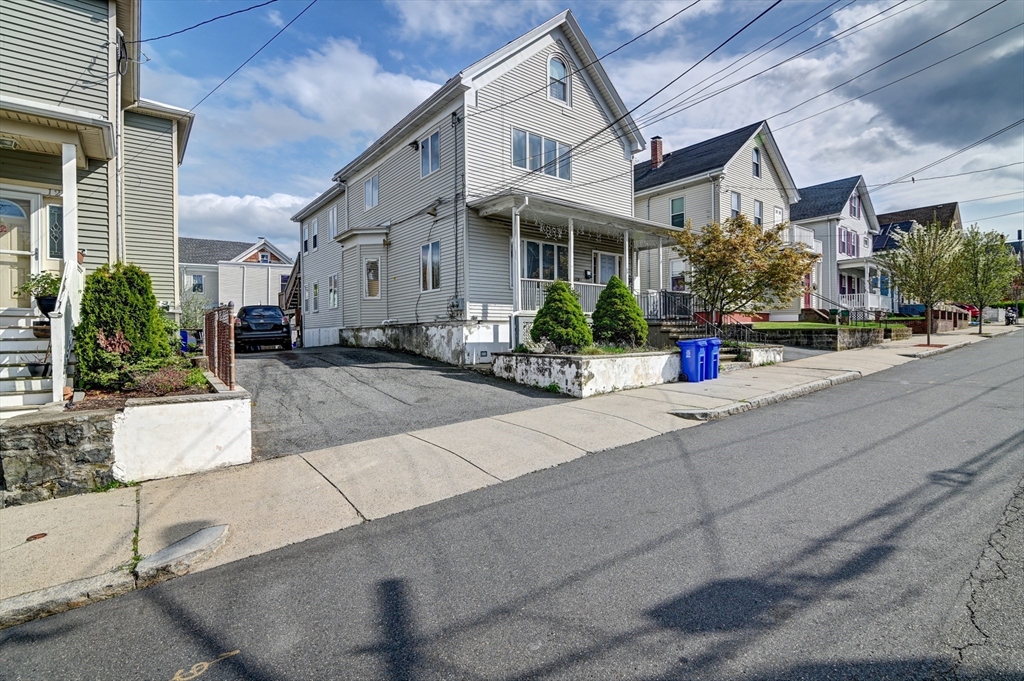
(534, 291)
(219, 342)
(63, 321)
(870, 301)
(656, 305)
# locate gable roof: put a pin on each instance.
(461, 82)
(212, 251)
(945, 213)
(711, 156)
(819, 200)
(885, 240)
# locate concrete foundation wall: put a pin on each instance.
(830, 338)
(584, 375)
(453, 343)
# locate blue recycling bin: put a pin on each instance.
(714, 351)
(702, 350)
(691, 361)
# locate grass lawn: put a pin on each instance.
(797, 326)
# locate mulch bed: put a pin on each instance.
(98, 399)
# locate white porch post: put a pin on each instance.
(516, 267)
(661, 266)
(69, 193)
(572, 255)
(625, 259)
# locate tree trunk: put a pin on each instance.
(981, 320)
(928, 324)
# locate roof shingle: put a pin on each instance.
(823, 199)
(209, 251)
(693, 160)
(945, 213)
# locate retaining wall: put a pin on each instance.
(828, 338)
(587, 375)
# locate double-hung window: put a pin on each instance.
(305, 297)
(332, 219)
(371, 278)
(558, 81)
(197, 283)
(332, 291)
(305, 238)
(778, 216)
(535, 152)
(316, 230)
(756, 161)
(430, 154)
(678, 215)
(855, 206)
(316, 296)
(430, 266)
(545, 261)
(284, 281)
(758, 213)
(370, 192)
(735, 199)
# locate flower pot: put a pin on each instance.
(41, 329)
(46, 304)
(38, 369)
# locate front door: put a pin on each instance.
(15, 249)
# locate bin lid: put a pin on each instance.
(702, 341)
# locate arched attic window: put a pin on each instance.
(558, 81)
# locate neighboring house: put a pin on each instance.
(842, 218)
(946, 214)
(739, 172)
(88, 170)
(441, 237)
(236, 272)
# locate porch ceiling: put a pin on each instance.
(42, 129)
(545, 211)
(858, 263)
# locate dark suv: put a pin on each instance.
(257, 325)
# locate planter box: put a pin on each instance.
(587, 375)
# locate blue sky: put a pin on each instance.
(270, 139)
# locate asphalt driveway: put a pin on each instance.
(313, 398)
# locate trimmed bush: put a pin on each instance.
(561, 319)
(121, 327)
(617, 316)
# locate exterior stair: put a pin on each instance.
(20, 392)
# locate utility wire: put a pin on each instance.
(994, 196)
(203, 23)
(945, 177)
(570, 73)
(882, 87)
(993, 217)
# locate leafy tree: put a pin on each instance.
(561, 319)
(617, 316)
(985, 269)
(121, 325)
(924, 265)
(741, 267)
(193, 311)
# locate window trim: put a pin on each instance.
(366, 282)
(305, 238)
(426, 266)
(672, 215)
(373, 184)
(426, 146)
(779, 215)
(735, 199)
(316, 296)
(202, 283)
(755, 159)
(567, 102)
(758, 213)
(264, 258)
(305, 297)
(332, 220)
(556, 162)
(332, 291)
(316, 233)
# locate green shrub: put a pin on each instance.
(561, 319)
(617, 316)
(121, 327)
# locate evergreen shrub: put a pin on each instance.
(121, 327)
(618, 318)
(561, 319)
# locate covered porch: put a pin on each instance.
(860, 285)
(554, 239)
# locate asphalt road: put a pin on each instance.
(309, 399)
(827, 537)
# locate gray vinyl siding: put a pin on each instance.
(490, 291)
(351, 287)
(320, 264)
(252, 283)
(149, 199)
(769, 188)
(93, 215)
(211, 284)
(489, 135)
(55, 51)
(403, 197)
(698, 209)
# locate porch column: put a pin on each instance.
(625, 259)
(69, 193)
(572, 255)
(516, 268)
(661, 267)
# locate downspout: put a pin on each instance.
(118, 123)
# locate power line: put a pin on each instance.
(607, 54)
(944, 177)
(869, 92)
(993, 217)
(203, 23)
(994, 196)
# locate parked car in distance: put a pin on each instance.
(975, 312)
(257, 325)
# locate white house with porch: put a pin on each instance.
(88, 177)
(842, 218)
(441, 237)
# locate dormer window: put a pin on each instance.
(756, 158)
(558, 81)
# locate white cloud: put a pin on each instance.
(274, 18)
(473, 22)
(242, 218)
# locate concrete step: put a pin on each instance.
(26, 398)
(30, 344)
(21, 371)
(17, 333)
(11, 412)
(24, 385)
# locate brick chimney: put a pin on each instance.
(656, 152)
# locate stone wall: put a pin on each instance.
(898, 332)
(50, 454)
(587, 375)
(826, 338)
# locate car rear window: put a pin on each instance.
(261, 312)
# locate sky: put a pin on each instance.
(270, 138)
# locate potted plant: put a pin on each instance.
(44, 287)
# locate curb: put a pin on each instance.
(175, 560)
(934, 351)
(765, 400)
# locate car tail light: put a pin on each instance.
(238, 321)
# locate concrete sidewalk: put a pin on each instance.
(287, 500)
